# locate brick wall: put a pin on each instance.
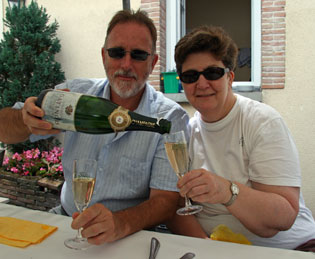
(30, 191)
(273, 43)
(156, 10)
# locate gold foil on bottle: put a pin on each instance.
(119, 119)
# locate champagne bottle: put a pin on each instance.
(94, 115)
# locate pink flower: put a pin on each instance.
(36, 153)
(14, 170)
(28, 154)
(35, 162)
(5, 161)
(17, 157)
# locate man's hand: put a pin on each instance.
(16, 125)
(32, 115)
(100, 225)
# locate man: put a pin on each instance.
(135, 185)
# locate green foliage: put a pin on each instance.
(42, 145)
(27, 62)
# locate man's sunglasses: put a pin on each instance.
(210, 73)
(136, 54)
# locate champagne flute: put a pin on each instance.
(83, 181)
(176, 150)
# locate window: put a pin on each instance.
(241, 19)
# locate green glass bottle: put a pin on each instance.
(94, 115)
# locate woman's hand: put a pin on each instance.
(203, 186)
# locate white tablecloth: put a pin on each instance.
(136, 246)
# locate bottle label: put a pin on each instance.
(59, 107)
(119, 119)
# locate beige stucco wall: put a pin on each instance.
(296, 101)
(82, 32)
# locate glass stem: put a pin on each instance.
(79, 235)
(187, 202)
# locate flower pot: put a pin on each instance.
(32, 192)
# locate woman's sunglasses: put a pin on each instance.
(210, 73)
(136, 54)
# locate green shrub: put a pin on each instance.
(27, 60)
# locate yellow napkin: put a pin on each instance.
(223, 233)
(21, 233)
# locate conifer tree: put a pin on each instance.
(27, 59)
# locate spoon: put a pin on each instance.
(188, 255)
(154, 248)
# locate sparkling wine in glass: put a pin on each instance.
(176, 150)
(83, 181)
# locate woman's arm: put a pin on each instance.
(263, 209)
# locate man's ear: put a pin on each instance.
(154, 61)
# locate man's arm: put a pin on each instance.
(185, 225)
(101, 225)
(12, 128)
(16, 125)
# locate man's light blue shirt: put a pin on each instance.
(130, 163)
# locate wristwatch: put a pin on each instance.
(235, 191)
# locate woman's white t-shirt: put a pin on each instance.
(252, 143)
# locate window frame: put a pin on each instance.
(175, 29)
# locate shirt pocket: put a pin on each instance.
(134, 177)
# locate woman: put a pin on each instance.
(245, 167)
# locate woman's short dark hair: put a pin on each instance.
(207, 38)
(140, 17)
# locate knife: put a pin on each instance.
(154, 248)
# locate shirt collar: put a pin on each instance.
(144, 106)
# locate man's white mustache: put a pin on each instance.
(125, 73)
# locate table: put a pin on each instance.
(135, 246)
